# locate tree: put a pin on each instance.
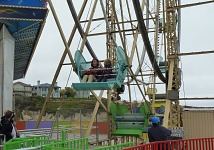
(62, 93)
(69, 92)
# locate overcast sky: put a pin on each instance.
(196, 35)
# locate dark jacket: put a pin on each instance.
(158, 133)
(107, 71)
(7, 128)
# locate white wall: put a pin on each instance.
(7, 47)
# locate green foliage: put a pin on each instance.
(68, 92)
(62, 92)
(35, 103)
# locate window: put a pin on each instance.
(43, 89)
(19, 88)
(19, 93)
(27, 88)
(27, 94)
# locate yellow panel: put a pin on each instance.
(159, 103)
(145, 136)
(151, 90)
(75, 127)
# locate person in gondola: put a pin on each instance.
(90, 75)
(136, 107)
(106, 71)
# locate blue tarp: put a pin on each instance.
(30, 3)
(19, 18)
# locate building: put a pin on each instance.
(81, 94)
(22, 89)
(198, 122)
(42, 90)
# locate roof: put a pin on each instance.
(198, 109)
(26, 85)
(25, 21)
(46, 85)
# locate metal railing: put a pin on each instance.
(78, 144)
(2, 141)
(116, 147)
(188, 144)
(40, 131)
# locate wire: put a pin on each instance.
(96, 27)
(147, 65)
(68, 77)
(182, 76)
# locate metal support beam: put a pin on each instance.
(189, 5)
(94, 115)
(59, 67)
(172, 107)
(197, 98)
(99, 100)
(196, 53)
(88, 26)
(62, 34)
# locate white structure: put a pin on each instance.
(81, 94)
(42, 90)
(7, 47)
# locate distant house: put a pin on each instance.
(42, 90)
(22, 89)
(81, 94)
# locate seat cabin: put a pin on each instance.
(162, 66)
(129, 124)
(114, 80)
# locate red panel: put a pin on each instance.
(20, 125)
(188, 144)
(102, 128)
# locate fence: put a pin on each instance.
(79, 144)
(40, 131)
(41, 142)
(31, 141)
(74, 121)
(189, 144)
(115, 147)
(82, 144)
(1, 141)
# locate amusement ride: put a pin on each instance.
(142, 41)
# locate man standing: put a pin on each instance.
(158, 132)
(8, 128)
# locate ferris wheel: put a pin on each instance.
(142, 41)
(138, 38)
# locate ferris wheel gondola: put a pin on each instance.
(115, 79)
